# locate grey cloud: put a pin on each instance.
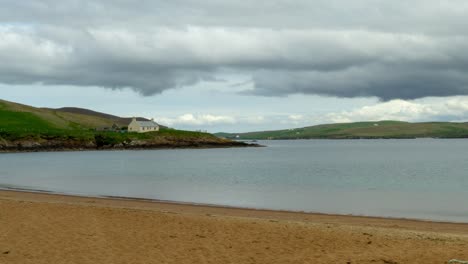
(68, 57)
(359, 48)
(385, 83)
(421, 16)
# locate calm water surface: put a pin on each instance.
(424, 179)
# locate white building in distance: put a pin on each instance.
(142, 126)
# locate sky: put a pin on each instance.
(237, 66)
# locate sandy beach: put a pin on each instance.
(44, 228)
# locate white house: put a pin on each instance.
(142, 126)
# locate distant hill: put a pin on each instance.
(369, 130)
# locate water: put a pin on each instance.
(422, 179)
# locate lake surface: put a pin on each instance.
(421, 178)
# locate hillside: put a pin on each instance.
(23, 115)
(368, 130)
(121, 121)
(26, 128)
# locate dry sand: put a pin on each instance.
(42, 228)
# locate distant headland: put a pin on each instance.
(361, 130)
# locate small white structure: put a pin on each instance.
(142, 126)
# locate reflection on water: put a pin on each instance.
(425, 179)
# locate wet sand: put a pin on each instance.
(45, 228)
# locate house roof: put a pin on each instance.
(147, 123)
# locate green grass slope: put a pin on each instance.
(53, 119)
(380, 129)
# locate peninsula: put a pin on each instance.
(25, 128)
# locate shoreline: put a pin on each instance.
(6, 188)
(50, 228)
(43, 195)
(154, 147)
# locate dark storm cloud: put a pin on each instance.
(385, 49)
(385, 82)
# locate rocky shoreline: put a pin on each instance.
(77, 145)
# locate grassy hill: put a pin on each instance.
(24, 127)
(32, 118)
(380, 129)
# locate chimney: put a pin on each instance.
(134, 119)
(152, 119)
